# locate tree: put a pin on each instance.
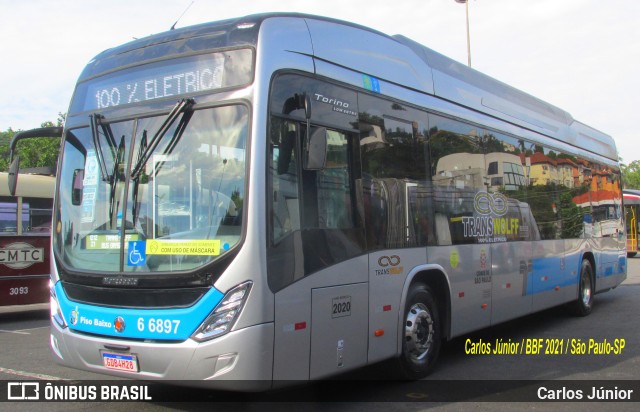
(38, 152)
(631, 175)
(5, 140)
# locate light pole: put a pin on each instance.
(466, 3)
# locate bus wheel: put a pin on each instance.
(421, 334)
(582, 306)
(631, 254)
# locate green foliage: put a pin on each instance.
(5, 140)
(38, 152)
(631, 175)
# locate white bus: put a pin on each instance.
(264, 199)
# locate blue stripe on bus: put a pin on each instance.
(157, 324)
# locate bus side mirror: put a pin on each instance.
(13, 175)
(14, 169)
(77, 186)
(316, 150)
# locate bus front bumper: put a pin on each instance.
(241, 355)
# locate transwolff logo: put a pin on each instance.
(389, 266)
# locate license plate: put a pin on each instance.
(120, 362)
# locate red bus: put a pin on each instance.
(25, 238)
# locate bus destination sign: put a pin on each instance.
(165, 79)
(157, 81)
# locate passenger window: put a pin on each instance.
(9, 214)
(335, 209)
(508, 181)
(395, 191)
(600, 201)
(459, 172)
(285, 210)
(39, 215)
(544, 189)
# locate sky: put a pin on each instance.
(580, 55)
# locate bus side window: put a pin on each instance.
(284, 180)
(457, 167)
(8, 214)
(396, 192)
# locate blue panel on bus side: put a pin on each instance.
(549, 272)
(157, 324)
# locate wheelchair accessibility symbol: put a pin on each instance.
(137, 255)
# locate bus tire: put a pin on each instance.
(582, 306)
(421, 334)
(631, 254)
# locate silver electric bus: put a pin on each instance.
(286, 197)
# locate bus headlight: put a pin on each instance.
(224, 315)
(54, 307)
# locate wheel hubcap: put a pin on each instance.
(418, 331)
(586, 291)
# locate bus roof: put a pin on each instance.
(29, 185)
(631, 196)
(396, 59)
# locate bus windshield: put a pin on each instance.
(152, 194)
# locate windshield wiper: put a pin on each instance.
(174, 139)
(96, 120)
(117, 154)
(184, 106)
(136, 181)
(116, 176)
(145, 150)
